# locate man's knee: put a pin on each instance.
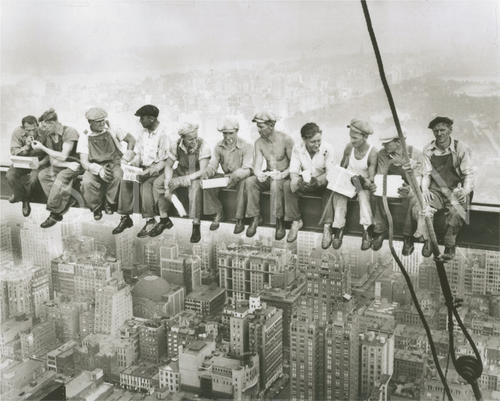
(251, 183)
(12, 175)
(159, 184)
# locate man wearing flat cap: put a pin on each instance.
(360, 158)
(308, 169)
(447, 183)
(151, 151)
(192, 155)
(235, 156)
(275, 148)
(391, 162)
(57, 179)
(100, 155)
(24, 181)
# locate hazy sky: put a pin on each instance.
(80, 36)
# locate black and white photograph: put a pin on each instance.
(250, 200)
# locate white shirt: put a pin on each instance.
(151, 147)
(301, 159)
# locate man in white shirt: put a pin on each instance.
(308, 167)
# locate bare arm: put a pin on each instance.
(258, 159)
(130, 141)
(197, 174)
(372, 164)
(168, 171)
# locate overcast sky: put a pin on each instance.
(90, 36)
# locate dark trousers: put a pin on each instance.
(292, 211)
(213, 205)
(255, 187)
(147, 197)
(22, 181)
(380, 217)
(95, 190)
(57, 183)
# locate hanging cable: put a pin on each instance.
(468, 367)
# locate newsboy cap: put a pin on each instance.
(390, 137)
(49, 115)
(229, 124)
(361, 127)
(148, 110)
(95, 113)
(440, 119)
(187, 128)
(264, 117)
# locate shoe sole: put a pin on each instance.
(239, 231)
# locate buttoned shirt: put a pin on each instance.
(152, 147)
(317, 164)
(462, 161)
(231, 158)
(18, 141)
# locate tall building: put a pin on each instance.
(152, 255)
(102, 233)
(113, 306)
(40, 289)
(411, 262)
(238, 344)
(6, 255)
(19, 296)
(152, 341)
(265, 335)
(180, 269)
(205, 250)
(39, 340)
(306, 242)
(125, 247)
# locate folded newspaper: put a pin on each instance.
(28, 162)
(339, 180)
(130, 172)
(394, 182)
(219, 182)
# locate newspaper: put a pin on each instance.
(394, 182)
(28, 162)
(339, 180)
(130, 172)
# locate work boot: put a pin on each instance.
(326, 241)
(427, 249)
(216, 223)
(338, 235)
(125, 222)
(53, 218)
(408, 247)
(147, 228)
(294, 230)
(12, 199)
(280, 231)
(108, 208)
(164, 223)
(195, 234)
(98, 214)
(377, 241)
(366, 239)
(449, 252)
(252, 228)
(239, 227)
(26, 209)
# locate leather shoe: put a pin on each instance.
(408, 247)
(326, 241)
(12, 199)
(239, 227)
(377, 241)
(216, 223)
(366, 240)
(252, 228)
(427, 249)
(125, 222)
(280, 231)
(449, 252)
(337, 238)
(195, 234)
(26, 208)
(51, 220)
(146, 229)
(164, 223)
(294, 230)
(98, 214)
(109, 209)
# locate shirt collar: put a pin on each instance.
(451, 146)
(238, 144)
(303, 148)
(181, 145)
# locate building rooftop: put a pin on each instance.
(144, 370)
(205, 293)
(226, 362)
(63, 348)
(196, 346)
(153, 288)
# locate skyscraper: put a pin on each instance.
(39, 245)
(113, 306)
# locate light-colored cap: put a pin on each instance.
(264, 117)
(95, 113)
(360, 126)
(187, 128)
(390, 137)
(229, 124)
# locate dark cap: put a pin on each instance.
(148, 110)
(49, 115)
(438, 120)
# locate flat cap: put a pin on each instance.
(390, 137)
(440, 119)
(95, 113)
(148, 110)
(229, 124)
(187, 128)
(49, 115)
(360, 126)
(264, 117)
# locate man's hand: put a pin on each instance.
(29, 140)
(427, 195)
(294, 183)
(370, 185)
(128, 156)
(276, 175)
(37, 145)
(460, 195)
(143, 175)
(106, 174)
(177, 182)
(321, 180)
(411, 165)
(207, 173)
(404, 191)
(73, 166)
(261, 177)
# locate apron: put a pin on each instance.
(188, 162)
(443, 172)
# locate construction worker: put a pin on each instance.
(192, 155)
(360, 158)
(100, 156)
(275, 148)
(23, 181)
(390, 162)
(447, 183)
(57, 179)
(151, 150)
(235, 156)
(308, 167)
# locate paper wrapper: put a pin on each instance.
(394, 182)
(220, 182)
(28, 162)
(339, 180)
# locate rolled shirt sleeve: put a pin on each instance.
(83, 144)
(466, 167)
(213, 164)
(295, 164)
(172, 151)
(16, 141)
